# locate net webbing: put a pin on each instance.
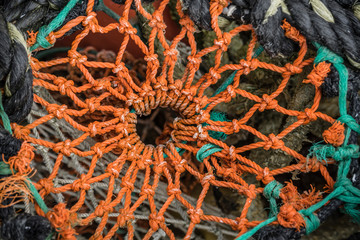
(94, 173)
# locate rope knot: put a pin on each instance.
(102, 208)
(223, 43)
(60, 219)
(171, 54)
(180, 168)
(63, 147)
(92, 104)
(172, 190)
(113, 169)
(65, 86)
(214, 75)
(311, 165)
(126, 28)
(232, 153)
(272, 192)
(120, 68)
(307, 116)
(157, 21)
(231, 91)
(346, 152)
(201, 134)
(76, 58)
(97, 148)
(318, 74)
(47, 185)
(235, 125)
(273, 142)
(265, 176)
(124, 218)
(194, 62)
(207, 178)
(147, 190)
(91, 22)
(94, 128)
(250, 191)
(56, 110)
(155, 220)
(159, 168)
(335, 134)
(249, 66)
(292, 69)
(187, 24)
(288, 217)
(350, 122)
(195, 215)
(267, 103)
(21, 162)
(343, 182)
(80, 184)
(128, 185)
(21, 132)
(44, 39)
(176, 87)
(239, 224)
(131, 97)
(200, 102)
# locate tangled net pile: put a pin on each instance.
(95, 176)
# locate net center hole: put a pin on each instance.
(150, 127)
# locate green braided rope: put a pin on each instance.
(4, 117)
(54, 24)
(102, 7)
(325, 54)
(207, 150)
(272, 192)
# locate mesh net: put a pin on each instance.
(101, 181)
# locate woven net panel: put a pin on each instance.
(99, 179)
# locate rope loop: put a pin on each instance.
(272, 192)
(350, 122)
(206, 151)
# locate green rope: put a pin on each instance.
(102, 7)
(258, 51)
(325, 54)
(54, 24)
(5, 169)
(217, 116)
(37, 197)
(207, 150)
(248, 234)
(4, 117)
(49, 237)
(272, 192)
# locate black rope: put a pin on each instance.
(16, 18)
(342, 35)
(32, 14)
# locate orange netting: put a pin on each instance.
(105, 106)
